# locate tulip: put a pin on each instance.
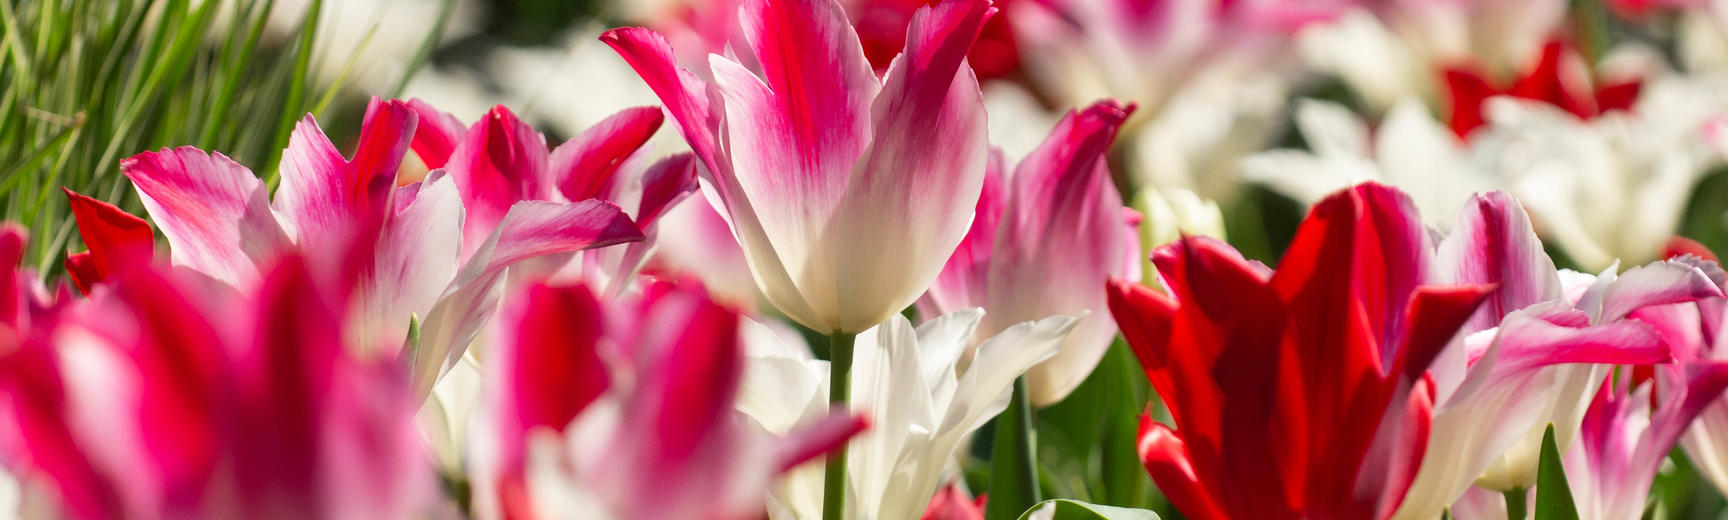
(500, 161)
(623, 409)
(1627, 435)
(219, 221)
(1533, 354)
(169, 396)
(924, 405)
(1301, 392)
(847, 191)
(1044, 240)
(1693, 331)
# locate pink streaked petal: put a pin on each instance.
(698, 368)
(665, 183)
(324, 193)
(436, 136)
(501, 160)
(548, 366)
(795, 132)
(414, 261)
(531, 229)
(1493, 243)
(1062, 234)
(699, 118)
(584, 166)
(951, 503)
(1656, 283)
(684, 94)
(215, 213)
(964, 281)
(817, 439)
(912, 193)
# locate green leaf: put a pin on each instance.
(1013, 466)
(1076, 510)
(1553, 494)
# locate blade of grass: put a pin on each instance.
(295, 102)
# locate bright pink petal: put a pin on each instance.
(215, 213)
(548, 365)
(1061, 236)
(815, 440)
(324, 193)
(584, 166)
(436, 135)
(1655, 284)
(501, 160)
(951, 503)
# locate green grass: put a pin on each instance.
(91, 82)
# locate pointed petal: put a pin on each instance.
(1062, 236)
(323, 192)
(436, 135)
(816, 440)
(1165, 457)
(913, 191)
(116, 239)
(215, 213)
(1655, 284)
(1493, 243)
(500, 161)
(583, 166)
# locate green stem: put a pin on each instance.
(839, 393)
(1515, 504)
(1013, 460)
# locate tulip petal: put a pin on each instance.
(583, 166)
(323, 192)
(215, 213)
(910, 195)
(964, 281)
(436, 135)
(1493, 242)
(501, 160)
(548, 368)
(116, 239)
(1654, 284)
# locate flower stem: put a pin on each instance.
(839, 393)
(1515, 503)
(1013, 460)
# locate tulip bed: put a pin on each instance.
(874, 259)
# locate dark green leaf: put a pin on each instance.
(1013, 468)
(1553, 494)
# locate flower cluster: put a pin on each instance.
(904, 259)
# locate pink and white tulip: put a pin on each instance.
(1531, 354)
(500, 161)
(623, 409)
(1046, 236)
(219, 221)
(847, 191)
(170, 396)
